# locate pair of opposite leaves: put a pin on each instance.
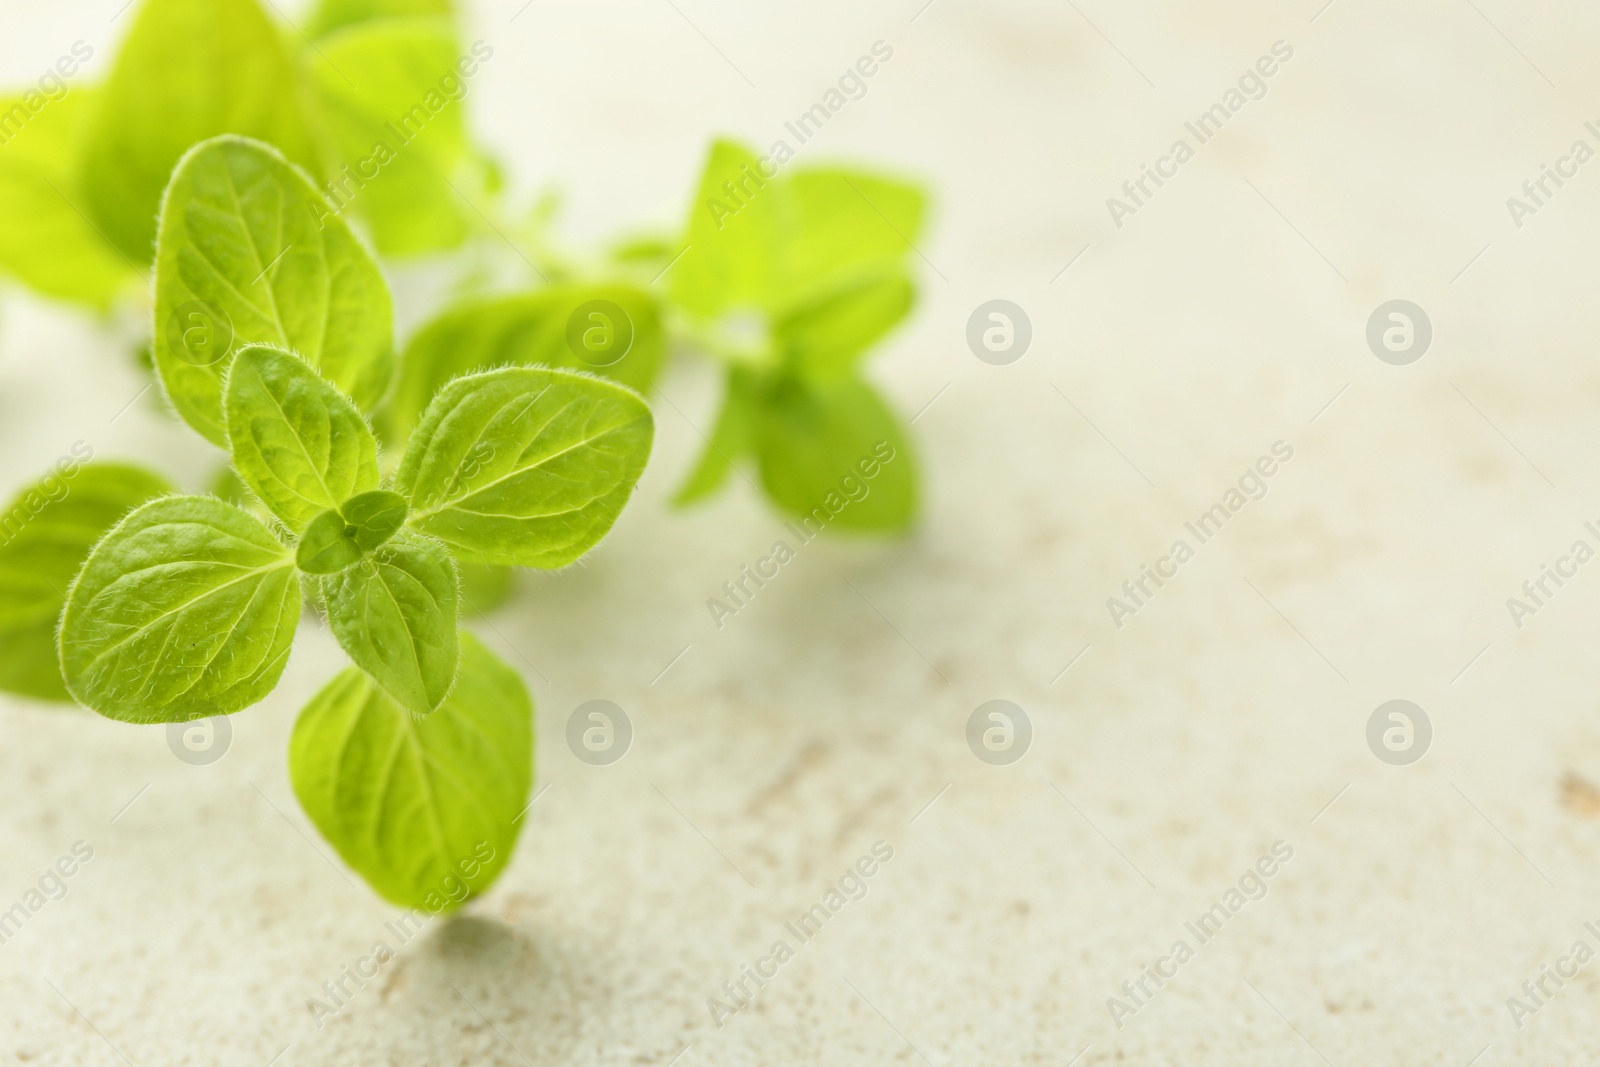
(189, 605)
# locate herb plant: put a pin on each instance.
(219, 190)
(786, 280)
(187, 607)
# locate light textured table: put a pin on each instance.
(1227, 313)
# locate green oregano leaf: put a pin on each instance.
(731, 246)
(297, 442)
(395, 613)
(46, 242)
(250, 252)
(845, 224)
(46, 533)
(525, 466)
(393, 95)
(335, 540)
(826, 337)
(186, 609)
(188, 70)
(425, 809)
(327, 546)
(759, 237)
(835, 454)
(374, 517)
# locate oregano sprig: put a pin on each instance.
(514, 430)
(790, 275)
(790, 279)
(187, 606)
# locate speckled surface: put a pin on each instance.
(1228, 714)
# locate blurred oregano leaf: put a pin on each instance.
(185, 609)
(297, 442)
(829, 452)
(845, 224)
(425, 809)
(395, 615)
(46, 532)
(524, 466)
(391, 94)
(545, 327)
(835, 454)
(732, 242)
(760, 239)
(250, 252)
(46, 242)
(189, 70)
(825, 337)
